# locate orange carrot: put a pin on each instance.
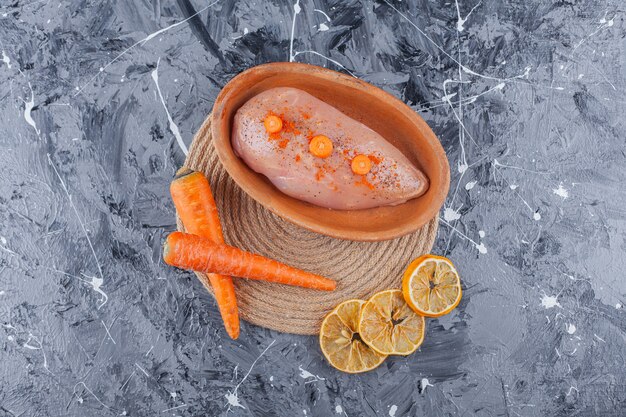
(188, 251)
(273, 123)
(321, 146)
(196, 208)
(361, 164)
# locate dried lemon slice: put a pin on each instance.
(389, 326)
(340, 341)
(431, 286)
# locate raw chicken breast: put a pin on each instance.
(285, 159)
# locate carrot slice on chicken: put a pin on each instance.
(361, 164)
(321, 146)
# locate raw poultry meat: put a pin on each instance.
(286, 156)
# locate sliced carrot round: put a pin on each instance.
(361, 164)
(321, 146)
(273, 124)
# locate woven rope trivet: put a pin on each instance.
(360, 268)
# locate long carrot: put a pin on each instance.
(187, 251)
(196, 208)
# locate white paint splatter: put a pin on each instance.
(231, 396)
(27, 344)
(304, 412)
(425, 384)
(322, 12)
(496, 164)
(272, 378)
(561, 192)
(450, 214)
(599, 338)
(570, 328)
(470, 185)
(338, 409)
(2, 292)
(462, 163)
(322, 27)
(481, 248)
(549, 301)
(11, 338)
(513, 186)
(3, 240)
(460, 22)
(108, 332)
(618, 306)
(6, 59)
(173, 127)
(245, 31)
(572, 388)
(96, 283)
(603, 24)
(174, 408)
(28, 107)
(392, 410)
(304, 374)
(481, 233)
(233, 400)
(447, 97)
(86, 388)
(296, 11)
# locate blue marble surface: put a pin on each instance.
(99, 100)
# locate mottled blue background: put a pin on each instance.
(527, 97)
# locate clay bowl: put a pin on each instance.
(380, 111)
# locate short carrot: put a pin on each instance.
(188, 251)
(196, 208)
